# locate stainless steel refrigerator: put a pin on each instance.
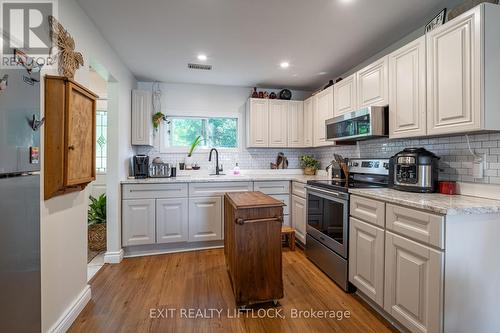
(19, 201)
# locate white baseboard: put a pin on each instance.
(69, 316)
(113, 257)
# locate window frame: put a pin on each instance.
(166, 149)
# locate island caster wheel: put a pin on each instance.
(242, 308)
(275, 302)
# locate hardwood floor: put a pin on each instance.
(123, 294)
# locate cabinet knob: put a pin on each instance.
(71, 147)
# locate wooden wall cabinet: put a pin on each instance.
(70, 136)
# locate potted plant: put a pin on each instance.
(309, 164)
(189, 161)
(158, 117)
(97, 223)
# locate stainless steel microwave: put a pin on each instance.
(366, 123)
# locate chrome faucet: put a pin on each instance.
(217, 169)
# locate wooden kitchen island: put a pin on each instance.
(252, 246)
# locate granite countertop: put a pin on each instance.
(226, 178)
(434, 202)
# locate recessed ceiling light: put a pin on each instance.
(346, 1)
(284, 64)
(202, 57)
(322, 73)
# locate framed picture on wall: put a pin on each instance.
(437, 21)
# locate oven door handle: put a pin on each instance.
(330, 193)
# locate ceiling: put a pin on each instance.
(246, 40)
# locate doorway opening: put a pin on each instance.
(97, 219)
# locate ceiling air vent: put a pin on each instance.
(200, 66)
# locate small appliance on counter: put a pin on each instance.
(414, 170)
(141, 166)
(158, 169)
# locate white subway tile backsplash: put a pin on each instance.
(455, 164)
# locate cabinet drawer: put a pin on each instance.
(299, 189)
(285, 198)
(154, 191)
(421, 226)
(215, 189)
(272, 187)
(368, 210)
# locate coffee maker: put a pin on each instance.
(141, 166)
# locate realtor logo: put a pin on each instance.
(25, 26)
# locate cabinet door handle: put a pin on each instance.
(72, 147)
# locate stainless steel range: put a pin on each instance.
(328, 215)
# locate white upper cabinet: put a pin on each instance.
(407, 91)
(373, 84)
(463, 73)
(344, 96)
(296, 124)
(142, 121)
(308, 121)
(278, 123)
(257, 123)
(322, 112)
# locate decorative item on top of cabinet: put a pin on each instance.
(70, 136)
(407, 98)
(437, 21)
(69, 60)
(465, 6)
(272, 95)
(255, 94)
(463, 73)
(286, 94)
(373, 84)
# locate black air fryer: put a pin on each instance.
(141, 166)
(414, 170)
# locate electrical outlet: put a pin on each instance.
(478, 167)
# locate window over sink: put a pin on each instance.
(179, 132)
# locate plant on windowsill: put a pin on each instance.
(189, 161)
(309, 164)
(96, 223)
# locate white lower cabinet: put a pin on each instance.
(414, 284)
(205, 219)
(299, 217)
(366, 259)
(138, 222)
(171, 220)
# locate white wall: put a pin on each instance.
(64, 218)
